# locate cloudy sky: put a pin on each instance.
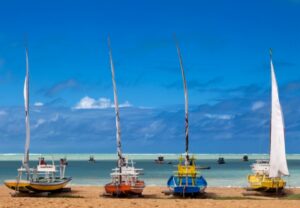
(224, 46)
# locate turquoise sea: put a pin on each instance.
(232, 174)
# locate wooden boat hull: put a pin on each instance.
(264, 183)
(42, 186)
(192, 186)
(38, 186)
(125, 189)
(21, 185)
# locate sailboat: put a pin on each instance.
(267, 174)
(42, 178)
(125, 177)
(186, 181)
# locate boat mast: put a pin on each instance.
(271, 63)
(185, 98)
(26, 102)
(118, 132)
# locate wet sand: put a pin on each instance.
(92, 196)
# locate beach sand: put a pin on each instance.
(92, 196)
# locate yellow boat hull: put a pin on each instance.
(21, 185)
(264, 183)
(49, 187)
(39, 186)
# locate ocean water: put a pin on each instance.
(232, 174)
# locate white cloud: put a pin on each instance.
(102, 103)
(218, 116)
(124, 105)
(257, 105)
(38, 123)
(38, 104)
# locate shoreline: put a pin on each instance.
(136, 156)
(92, 196)
(160, 186)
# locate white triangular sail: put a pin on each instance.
(118, 132)
(278, 163)
(26, 102)
(185, 99)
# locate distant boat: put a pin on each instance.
(42, 178)
(125, 177)
(204, 167)
(245, 158)
(221, 160)
(186, 181)
(267, 174)
(160, 160)
(92, 159)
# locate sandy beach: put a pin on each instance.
(92, 196)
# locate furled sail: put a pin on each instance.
(186, 99)
(118, 133)
(278, 163)
(26, 102)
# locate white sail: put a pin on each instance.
(185, 99)
(278, 163)
(26, 102)
(118, 133)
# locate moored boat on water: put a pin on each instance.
(92, 159)
(125, 177)
(221, 160)
(267, 174)
(186, 181)
(160, 160)
(42, 178)
(245, 158)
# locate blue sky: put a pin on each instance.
(225, 52)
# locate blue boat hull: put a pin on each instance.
(187, 187)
